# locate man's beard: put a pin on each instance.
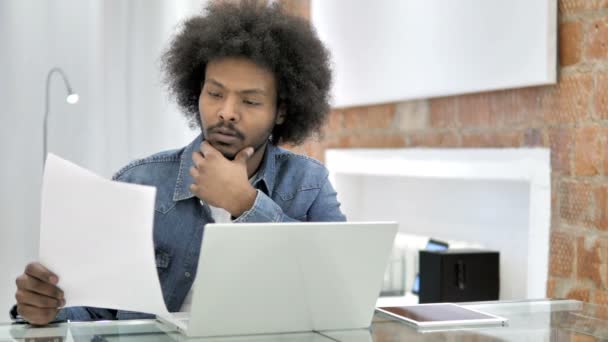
(230, 156)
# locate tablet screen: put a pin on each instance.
(436, 313)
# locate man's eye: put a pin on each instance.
(251, 103)
(214, 94)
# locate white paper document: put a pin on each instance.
(97, 236)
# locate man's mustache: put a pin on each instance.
(228, 126)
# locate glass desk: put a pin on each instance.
(537, 320)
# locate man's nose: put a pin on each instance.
(229, 110)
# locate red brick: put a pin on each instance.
(601, 207)
(597, 40)
(444, 112)
(604, 153)
(433, 139)
(315, 147)
(604, 244)
(581, 294)
(334, 122)
(534, 137)
(588, 262)
(373, 141)
(492, 139)
(588, 151)
(561, 141)
(576, 203)
(601, 96)
(551, 287)
(568, 101)
(474, 110)
(369, 117)
(580, 337)
(570, 42)
(298, 8)
(555, 217)
(600, 297)
(516, 107)
(561, 263)
(574, 6)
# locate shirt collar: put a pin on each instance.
(265, 174)
(267, 170)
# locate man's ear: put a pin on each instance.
(280, 115)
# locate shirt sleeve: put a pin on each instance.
(325, 208)
(77, 313)
(83, 314)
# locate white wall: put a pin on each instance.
(493, 214)
(387, 50)
(498, 198)
(110, 51)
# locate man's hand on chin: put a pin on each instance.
(221, 182)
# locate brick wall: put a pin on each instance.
(570, 118)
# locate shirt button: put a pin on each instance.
(187, 274)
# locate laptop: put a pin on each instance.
(266, 278)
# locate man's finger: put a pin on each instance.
(36, 270)
(208, 150)
(194, 173)
(36, 315)
(38, 300)
(244, 155)
(32, 284)
(197, 159)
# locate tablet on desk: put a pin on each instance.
(440, 315)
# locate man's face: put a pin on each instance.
(237, 105)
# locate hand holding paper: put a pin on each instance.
(96, 235)
(38, 297)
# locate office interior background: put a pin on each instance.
(110, 51)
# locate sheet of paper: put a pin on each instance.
(96, 235)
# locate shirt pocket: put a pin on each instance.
(163, 261)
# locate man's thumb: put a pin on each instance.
(244, 155)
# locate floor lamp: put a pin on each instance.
(71, 98)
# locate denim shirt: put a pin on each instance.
(290, 187)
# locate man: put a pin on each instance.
(250, 77)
